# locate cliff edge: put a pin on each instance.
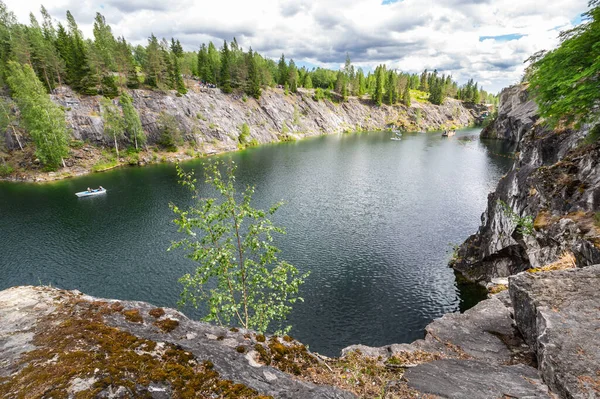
(546, 208)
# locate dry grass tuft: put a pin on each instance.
(566, 261)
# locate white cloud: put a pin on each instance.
(409, 35)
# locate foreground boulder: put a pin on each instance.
(558, 314)
(56, 343)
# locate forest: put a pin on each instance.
(38, 57)
(107, 65)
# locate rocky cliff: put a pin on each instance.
(210, 121)
(538, 340)
(546, 208)
(210, 118)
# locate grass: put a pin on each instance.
(5, 169)
(104, 164)
(419, 96)
(565, 261)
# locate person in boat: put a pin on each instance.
(89, 190)
(100, 188)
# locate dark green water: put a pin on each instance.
(372, 218)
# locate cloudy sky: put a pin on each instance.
(487, 40)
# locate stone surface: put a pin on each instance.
(23, 308)
(461, 379)
(555, 181)
(212, 119)
(558, 314)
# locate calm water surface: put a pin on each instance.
(372, 219)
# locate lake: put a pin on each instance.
(373, 219)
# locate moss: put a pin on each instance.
(220, 338)
(133, 315)
(241, 349)
(167, 325)
(74, 342)
(263, 354)
(287, 338)
(116, 306)
(157, 313)
(233, 329)
(260, 338)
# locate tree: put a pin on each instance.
(282, 71)
(253, 86)
(114, 125)
(565, 81)
(8, 119)
(406, 95)
(43, 119)
(424, 84)
(225, 72)
(131, 118)
(379, 84)
(238, 275)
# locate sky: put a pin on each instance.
(487, 40)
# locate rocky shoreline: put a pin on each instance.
(210, 123)
(539, 339)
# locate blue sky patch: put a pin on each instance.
(386, 2)
(502, 38)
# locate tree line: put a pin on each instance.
(38, 57)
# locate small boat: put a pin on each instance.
(448, 133)
(396, 138)
(89, 193)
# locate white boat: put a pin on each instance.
(90, 193)
(448, 133)
(396, 138)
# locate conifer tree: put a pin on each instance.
(225, 72)
(282, 71)
(253, 88)
(406, 95)
(424, 85)
(379, 85)
(214, 63)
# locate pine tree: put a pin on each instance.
(292, 79)
(406, 95)
(423, 85)
(253, 87)
(131, 118)
(308, 84)
(214, 63)
(42, 118)
(203, 64)
(225, 72)
(81, 77)
(46, 60)
(155, 67)
(379, 84)
(282, 71)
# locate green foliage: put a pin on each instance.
(319, 94)
(170, 133)
(593, 136)
(244, 136)
(238, 275)
(524, 224)
(114, 124)
(42, 118)
(406, 96)
(597, 219)
(564, 81)
(5, 170)
(131, 119)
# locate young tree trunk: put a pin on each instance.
(135, 139)
(116, 145)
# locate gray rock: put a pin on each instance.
(21, 308)
(558, 314)
(554, 181)
(461, 379)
